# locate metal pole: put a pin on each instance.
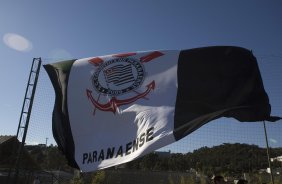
(267, 148)
(21, 117)
(26, 90)
(46, 142)
(27, 119)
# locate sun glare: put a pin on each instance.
(17, 42)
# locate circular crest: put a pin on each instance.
(118, 76)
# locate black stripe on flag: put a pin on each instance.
(59, 76)
(216, 82)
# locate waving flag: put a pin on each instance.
(112, 109)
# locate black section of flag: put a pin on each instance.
(218, 82)
(119, 74)
(59, 76)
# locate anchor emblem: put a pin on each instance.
(117, 77)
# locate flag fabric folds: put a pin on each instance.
(112, 109)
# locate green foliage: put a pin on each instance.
(170, 180)
(98, 177)
(278, 180)
(230, 158)
(77, 179)
(225, 159)
(190, 179)
(149, 162)
(203, 180)
(49, 158)
(187, 179)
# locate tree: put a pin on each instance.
(77, 179)
(98, 177)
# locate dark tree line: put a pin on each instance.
(225, 158)
(49, 158)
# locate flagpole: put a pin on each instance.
(267, 148)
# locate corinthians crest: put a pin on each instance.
(118, 76)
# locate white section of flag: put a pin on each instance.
(99, 135)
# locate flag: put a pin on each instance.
(112, 109)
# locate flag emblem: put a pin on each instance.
(115, 78)
(118, 76)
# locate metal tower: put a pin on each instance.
(26, 110)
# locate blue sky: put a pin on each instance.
(56, 30)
